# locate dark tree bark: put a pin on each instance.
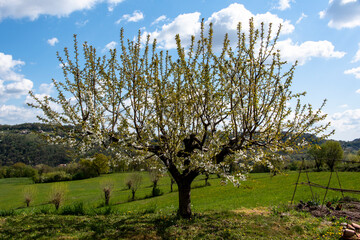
(184, 199)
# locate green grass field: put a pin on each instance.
(259, 190)
(252, 211)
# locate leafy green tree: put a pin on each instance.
(199, 111)
(332, 153)
(317, 154)
(101, 163)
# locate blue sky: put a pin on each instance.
(322, 35)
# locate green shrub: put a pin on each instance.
(57, 176)
(29, 193)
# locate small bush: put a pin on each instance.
(156, 192)
(57, 194)
(107, 187)
(29, 193)
(134, 180)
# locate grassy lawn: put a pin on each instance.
(260, 190)
(252, 211)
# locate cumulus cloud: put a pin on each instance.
(159, 19)
(346, 124)
(33, 9)
(134, 17)
(305, 51)
(284, 4)
(52, 41)
(342, 13)
(224, 21)
(354, 71)
(11, 114)
(184, 24)
(358, 91)
(12, 83)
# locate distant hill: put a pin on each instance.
(21, 143)
(353, 145)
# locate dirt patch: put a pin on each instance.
(253, 211)
(349, 210)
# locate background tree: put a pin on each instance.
(155, 175)
(199, 111)
(101, 163)
(332, 153)
(134, 181)
(317, 154)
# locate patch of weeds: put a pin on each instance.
(6, 213)
(74, 209)
(280, 209)
(45, 210)
(298, 229)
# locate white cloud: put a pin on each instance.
(303, 15)
(33, 9)
(284, 4)
(354, 71)
(52, 41)
(110, 45)
(81, 23)
(342, 14)
(12, 83)
(185, 24)
(135, 17)
(45, 88)
(344, 106)
(224, 21)
(358, 91)
(113, 3)
(10, 114)
(356, 58)
(305, 51)
(159, 19)
(346, 124)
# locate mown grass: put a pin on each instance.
(220, 211)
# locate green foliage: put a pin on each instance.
(317, 154)
(332, 153)
(18, 170)
(57, 176)
(31, 149)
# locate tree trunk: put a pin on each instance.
(184, 199)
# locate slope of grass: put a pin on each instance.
(256, 210)
(258, 190)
